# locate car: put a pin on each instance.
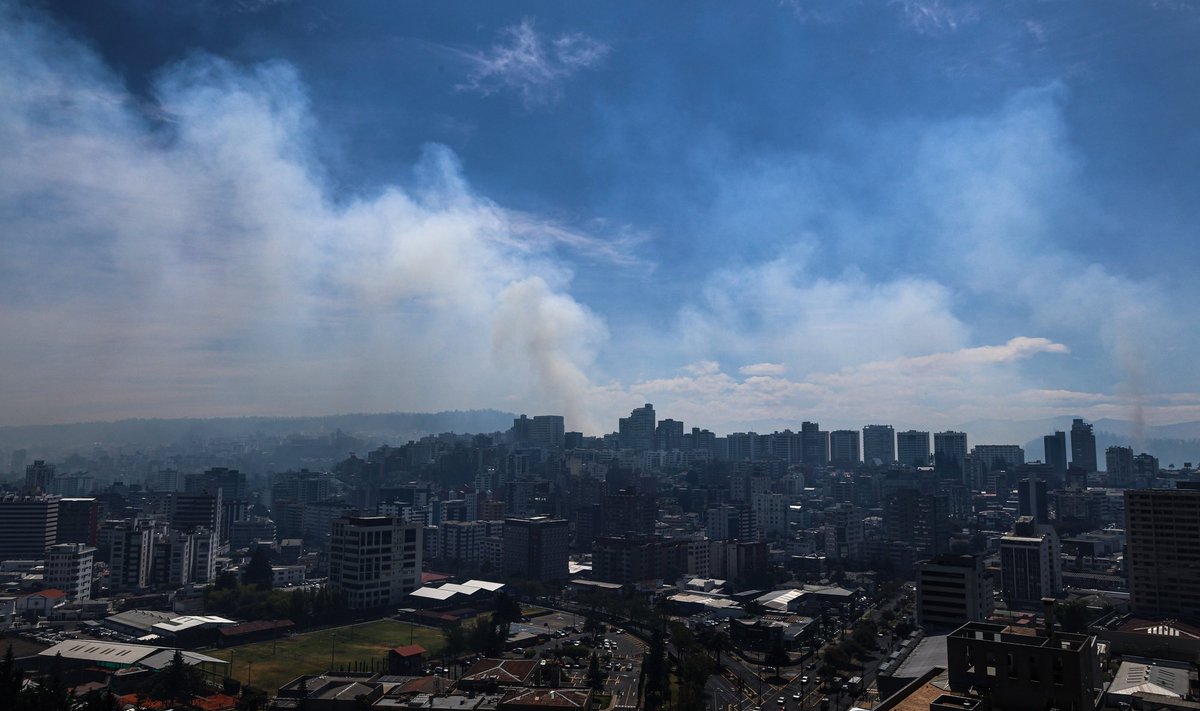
(797, 696)
(781, 701)
(810, 666)
(804, 679)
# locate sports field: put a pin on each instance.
(270, 664)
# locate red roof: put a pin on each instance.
(410, 650)
(52, 593)
(434, 577)
(254, 626)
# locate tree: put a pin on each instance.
(777, 656)
(258, 570)
(10, 677)
(176, 682)
(226, 580)
(595, 678)
(456, 639)
(99, 700)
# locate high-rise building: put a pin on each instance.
(1083, 446)
(997, 457)
(1118, 466)
(912, 448)
(69, 568)
(636, 432)
(919, 519)
(522, 431)
(1030, 564)
(462, 541)
(127, 547)
(950, 454)
(843, 531)
(374, 560)
(879, 445)
(78, 521)
(28, 526)
(189, 511)
(1163, 551)
(535, 549)
(627, 512)
(951, 591)
(1032, 500)
(843, 448)
(814, 444)
(1055, 446)
(547, 432)
(171, 561)
(39, 478)
(668, 436)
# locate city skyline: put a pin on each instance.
(904, 213)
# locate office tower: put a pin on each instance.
(462, 541)
(39, 478)
(1030, 564)
(1118, 463)
(950, 454)
(231, 482)
(1083, 446)
(127, 547)
(843, 532)
(770, 515)
(374, 560)
(188, 512)
(28, 525)
(69, 568)
(743, 446)
(627, 512)
(1021, 669)
(1163, 551)
(547, 432)
(535, 549)
(919, 519)
(879, 445)
(912, 448)
(171, 561)
(521, 432)
(204, 555)
(1055, 446)
(78, 521)
(636, 432)
(997, 457)
(814, 444)
(951, 591)
(1032, 500)
(1145, 467)
(843, 448)
(573, 440)
(668, 436)
(728, 523)
(243, 533)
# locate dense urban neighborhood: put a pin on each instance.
(655, 567)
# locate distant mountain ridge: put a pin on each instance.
(389, 426)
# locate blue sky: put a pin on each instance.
(749, 214)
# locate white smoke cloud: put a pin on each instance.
(194, 261)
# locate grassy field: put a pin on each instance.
(271, 664)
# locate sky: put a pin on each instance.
(749, 214)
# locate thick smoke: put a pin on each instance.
(187, 256)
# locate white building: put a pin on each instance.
(285, 575)
(69, 568)
(951, 591)
(374, 560)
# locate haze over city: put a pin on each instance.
(749, 214)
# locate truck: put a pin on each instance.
(855, 684)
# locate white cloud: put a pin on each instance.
(763, 369)
(532, 65)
